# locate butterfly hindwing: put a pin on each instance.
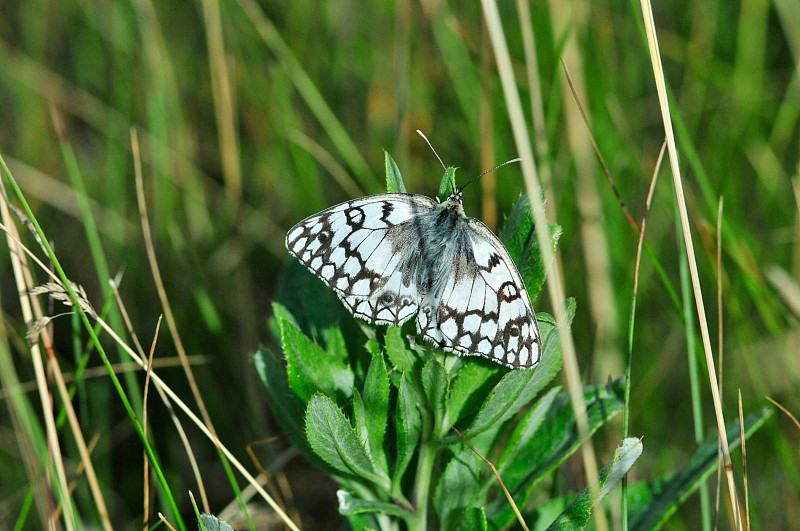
(360, 249)
(484, 307)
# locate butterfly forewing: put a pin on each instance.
(361, 250)
(390, 256)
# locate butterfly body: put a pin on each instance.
(390, 256)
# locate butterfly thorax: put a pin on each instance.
(445, 246)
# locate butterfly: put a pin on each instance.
(391, 256)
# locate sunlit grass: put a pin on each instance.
(252, 116)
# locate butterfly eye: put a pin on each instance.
(387, 298)
(324, 236)
(406, 301)
(514, 331)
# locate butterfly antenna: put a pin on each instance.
(489, 171)
(431, 146)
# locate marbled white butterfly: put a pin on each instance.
(390, 256)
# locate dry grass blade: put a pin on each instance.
(150, 366)
(162, 294)
(744, 465)
(32, 307)
(719, 355)
(224, 100)
(786, 412)
(658, 73)
(164, 519)
(497, 475)
(555, 284)
(647, 204)
(600, 158)
(24, 284)
(146, 460)
(175, 399)
(283, 487)
(98, 372)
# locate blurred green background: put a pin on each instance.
(254, 114)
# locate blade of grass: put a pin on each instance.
(100, 263)
(150, 366)
(146, 467)
(554, 281)
(94, 339)
(19, 266)
(687, 236)
(594, 231)
(169, 392)
(626, 409)
(199, 423)
(744, 466)
(171, 323)
(224, 100)
(499, 479)
(327, 161)
(311, 95)
(486, 135)
(28, 433)
(535, 92)
(691, 356)
(704, 487)
(457, 60)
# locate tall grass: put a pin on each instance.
(252, 115)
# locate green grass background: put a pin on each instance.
(318, 90)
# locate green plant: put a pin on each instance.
(377, 410)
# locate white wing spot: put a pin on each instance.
(472, 323)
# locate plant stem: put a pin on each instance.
(427, 454)
(422, 482)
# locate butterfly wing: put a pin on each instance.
(363, 250)
(483, 308)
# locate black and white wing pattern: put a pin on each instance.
(483, 308)
(391, 256)
(362, 250)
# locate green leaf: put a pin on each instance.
(212, 523)
(409, 425)
(350, 505)
(459, 486)
(282, 402)
(394, 181)
(335, 345)
(376, 401)
(332, 438)
(372, 346)
(526, 430)
(519, 237)
(519, 387)
(448, 184)
(471, 386)
(577, 514)
(538, 452)
(310, 368)
(474, 518)
(313, 304)
(665, 496)
(397, 352)
(435, 384)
